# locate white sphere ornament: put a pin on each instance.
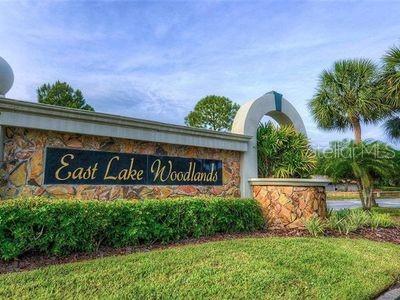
(6, 77)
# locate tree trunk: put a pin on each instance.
(357, 130)
(361, 193)
(374, 204)
(367, 189)
(368, 198)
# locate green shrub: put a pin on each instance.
(335, 219)
(382, 221)
(350, 220)
(283, 152)
(59, 227)
(315, 226)
(359, 218)
(347, 226)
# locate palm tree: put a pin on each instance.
(365, 162)
(347, 96)
(391, 85)
(392, 127)
(283, 152)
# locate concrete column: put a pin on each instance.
(2, 136)
(246, 122)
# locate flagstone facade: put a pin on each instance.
(289, 206)
(24, 166)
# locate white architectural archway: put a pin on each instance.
(246, 122)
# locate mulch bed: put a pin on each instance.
(33, 260)
(391, 235)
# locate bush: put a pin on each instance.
(382, 221)
(315, 226)
(59, 227)
(350, 220)
(283, 152)
(360, 218)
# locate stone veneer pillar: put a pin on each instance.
(287, 203)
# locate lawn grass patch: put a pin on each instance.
(335, 196)
(256, 268)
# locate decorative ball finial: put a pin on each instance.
(6, 77)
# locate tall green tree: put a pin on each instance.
(283, 152)
(392, 127)
(366, 162)
(347, 96)
(213, 112)
(62, 94)
(394, 180)
(391, 86)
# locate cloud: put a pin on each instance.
(155, 60)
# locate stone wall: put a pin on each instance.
(24, 150)
(290, 206)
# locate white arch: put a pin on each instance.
(246, 122)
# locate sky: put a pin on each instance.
(155, 60)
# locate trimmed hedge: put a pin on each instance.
(60, 227)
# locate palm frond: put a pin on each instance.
(348, 91)
(391, 75)
(283, 152)
(392, 128)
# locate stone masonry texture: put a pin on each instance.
(290, 206)
(24, 165)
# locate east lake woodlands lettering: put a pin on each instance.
(73, 166)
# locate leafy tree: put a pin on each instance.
(342, 172)
(392, 74)
(392, 127)
(213, 112)
(394, 180)
(366, 162)
(283, 152)
(391, 86)
(347, 96)
(62, 94)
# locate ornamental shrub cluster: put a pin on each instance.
(283, 152)
(60, 227)
(348, 220)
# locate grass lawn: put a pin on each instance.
(286, 268)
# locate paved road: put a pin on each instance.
(341, 204)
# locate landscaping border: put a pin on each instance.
(32, 261)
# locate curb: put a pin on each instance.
(393, 294)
